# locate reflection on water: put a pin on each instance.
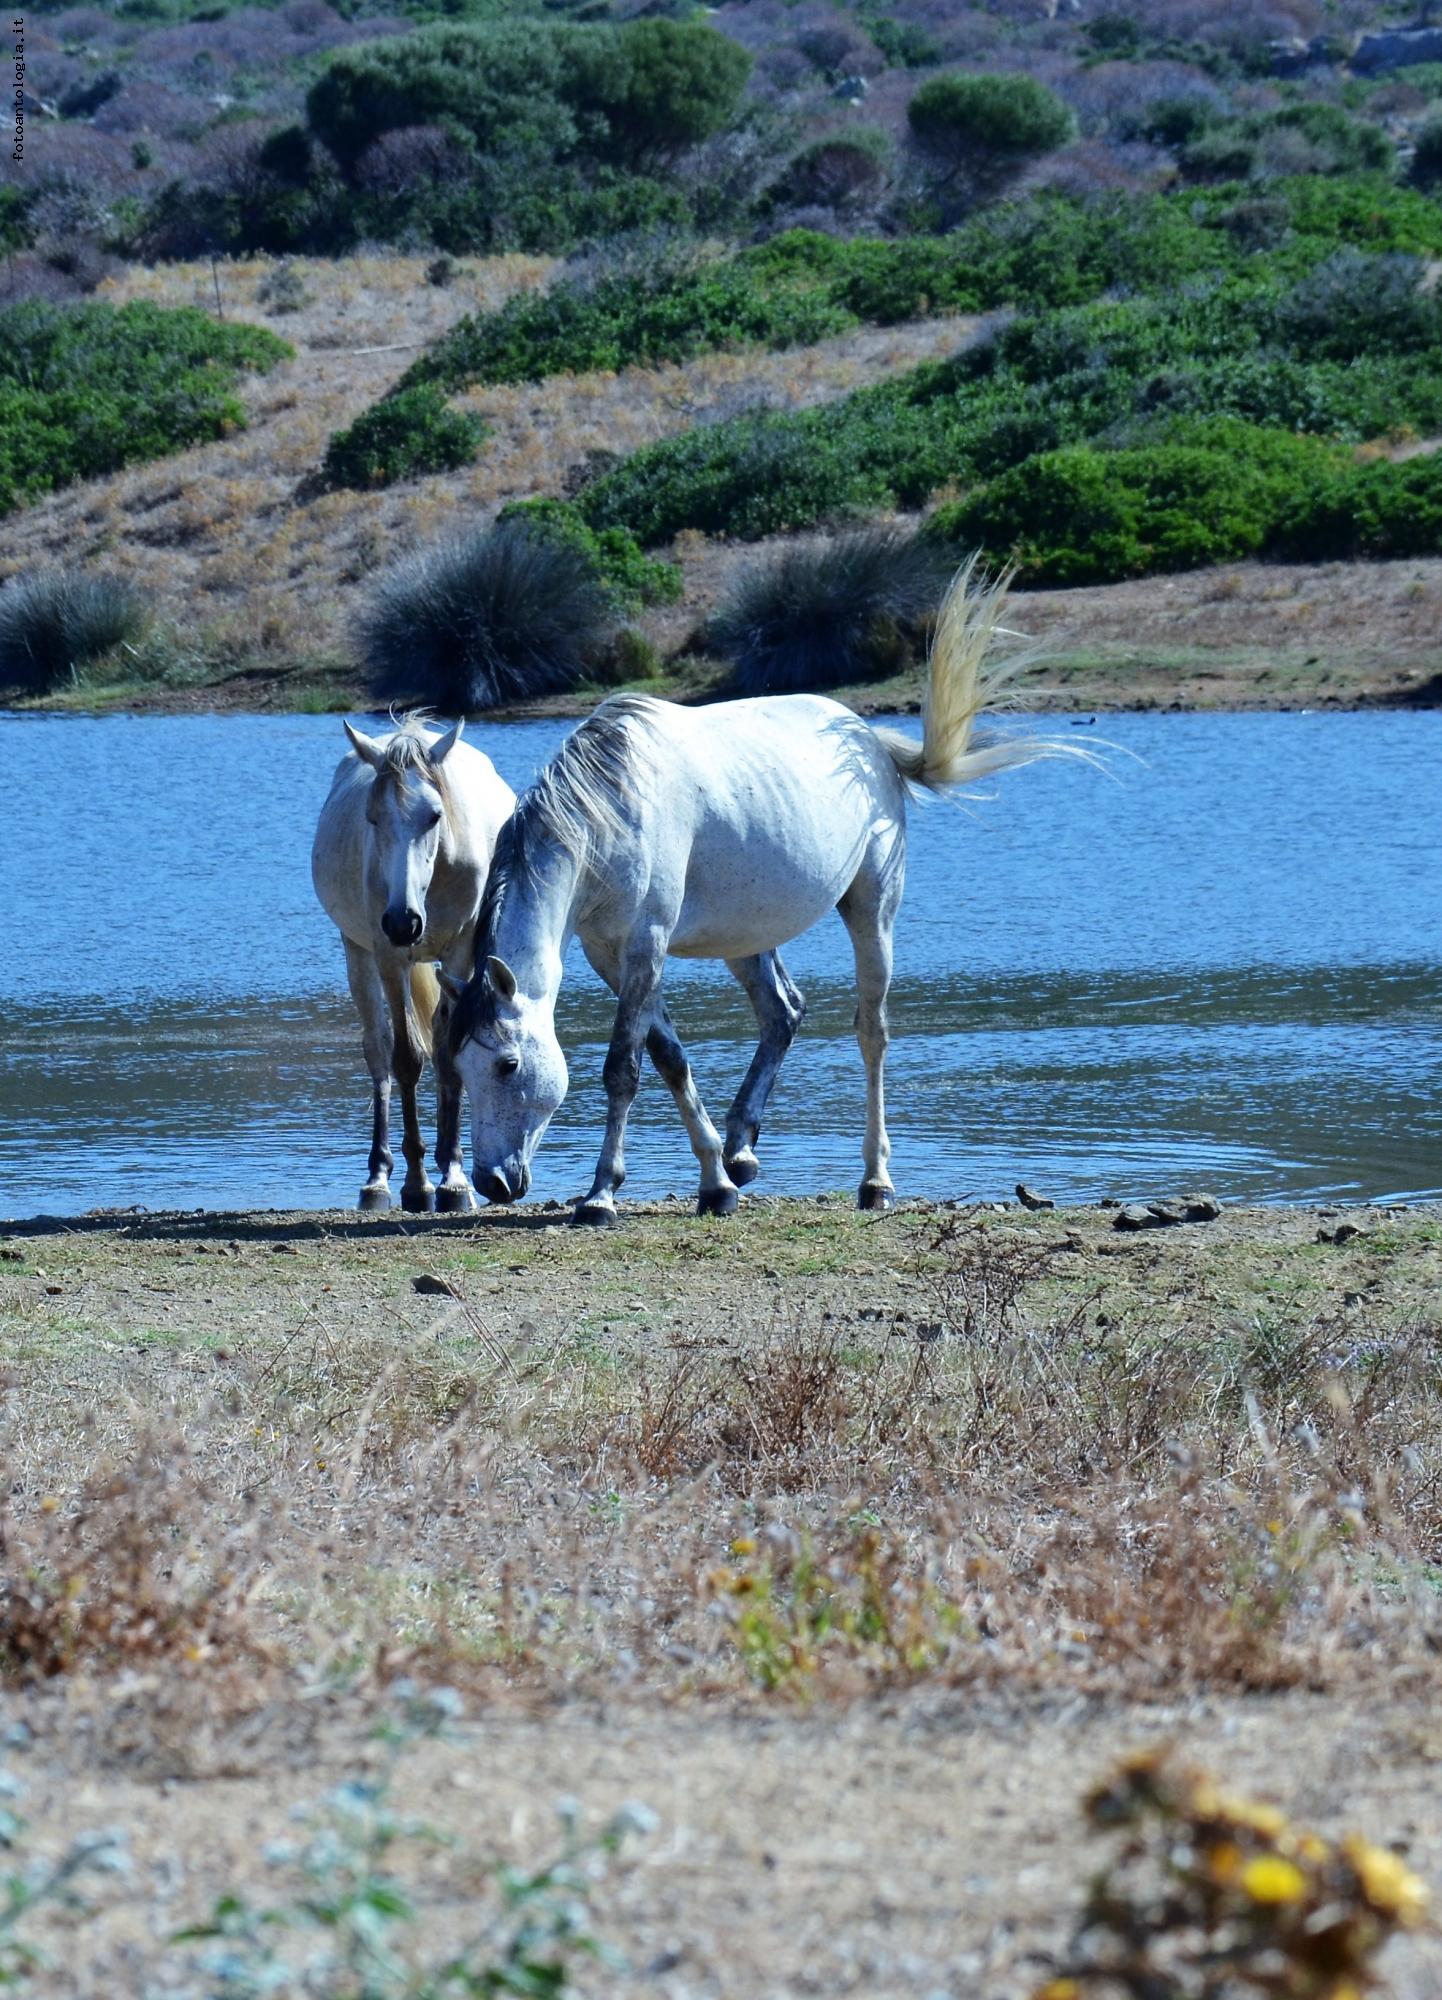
(1223, 967)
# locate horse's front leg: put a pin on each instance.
(636, 980)
(454, 1194)
(779, 1009)
(408, 1060)
(370, 1003)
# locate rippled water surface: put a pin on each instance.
(1221, 966)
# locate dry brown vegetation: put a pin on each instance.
(697, 1483)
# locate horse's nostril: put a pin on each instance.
(494, 1186)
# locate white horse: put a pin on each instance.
(400, 860)
(709, 833)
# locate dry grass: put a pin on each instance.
(1056, 1493)
(819, 1488)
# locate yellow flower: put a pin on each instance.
(744, 1545)
(1387, 1883)
(1059, 1989)
(50, 1505)
(1271, 1880)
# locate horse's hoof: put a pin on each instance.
(875, 1194)
(743, 1167)
(454, 1201)
(594, 1215)
(418, 1201)
(375, 1199)
(717, 1201)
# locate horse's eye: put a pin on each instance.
(434, 820)
(508, 1065)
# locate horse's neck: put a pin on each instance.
(536, 921)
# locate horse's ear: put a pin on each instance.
(365, 747)
(452, 987)
(443, 746)
(501, 977)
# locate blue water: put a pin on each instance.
(1219, 965)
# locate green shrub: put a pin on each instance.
(85, 390)
(1172, 121)
(1310, 139)
(629, 578)
(903, 44)
(653, 308)
(504, 615)
(538, 90)
(843, 171)
(751, 477)
(1376, 510)
(1355, 303)
(681, 81)
(824, 616)
(407, 436)
(55, 624)
(986, 124)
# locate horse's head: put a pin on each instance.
(505, 1048)
(406, 809)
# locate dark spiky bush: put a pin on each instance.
(822, 615)
(504, 615)
(57, 623)
(406, 436)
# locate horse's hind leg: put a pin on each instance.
(370, 1003)
(779, 1009)
(868, 909)
(407, 1060)
(717, 1195)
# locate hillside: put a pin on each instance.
(264, 574)
(1145, 303)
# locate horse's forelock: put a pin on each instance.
(407, 754)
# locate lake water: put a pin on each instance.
(1219, 967)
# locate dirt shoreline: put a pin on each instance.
(1108, 679)
(387, 1412)
(1248, 637)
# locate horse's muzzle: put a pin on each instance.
(403, 927)
(499, 1188)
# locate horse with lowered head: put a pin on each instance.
(719, 832)
(400, 859)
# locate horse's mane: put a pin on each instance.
(578, 800)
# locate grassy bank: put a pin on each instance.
(685, 1511)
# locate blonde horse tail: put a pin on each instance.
(425, 994)
(964, 680)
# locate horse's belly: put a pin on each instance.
(755, 904)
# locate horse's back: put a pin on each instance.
(782, 799)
